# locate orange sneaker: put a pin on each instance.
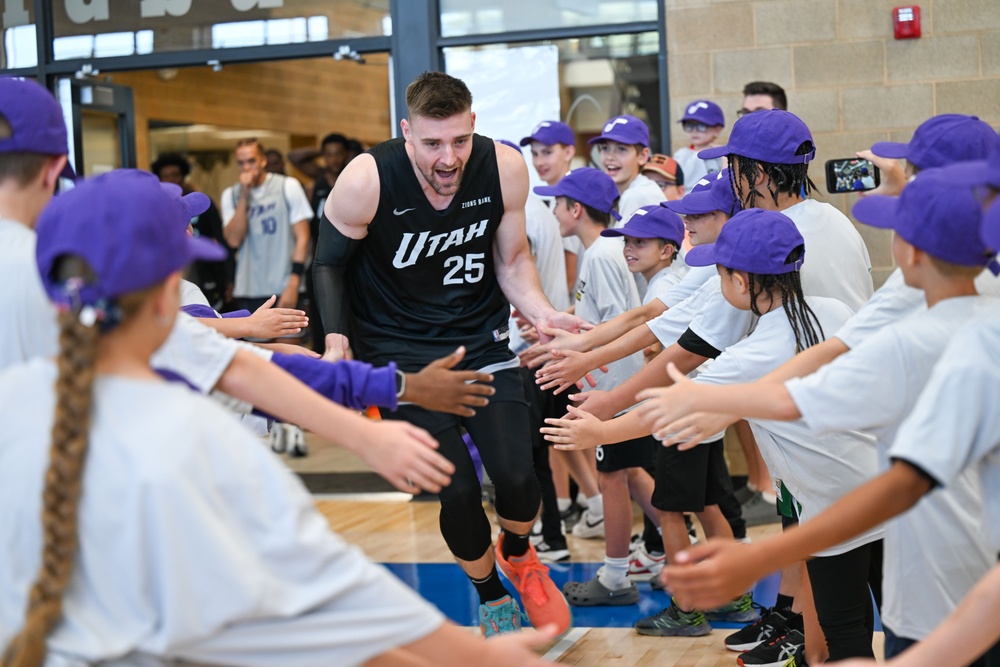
(543, 602)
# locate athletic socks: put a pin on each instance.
(596, 505)
(784, 602)
(564, 504)
(514, 545)
(614, 576)
(490, 588)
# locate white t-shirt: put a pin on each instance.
(542, 229)
(604, 290)
(194, 541)
(642, 191)
(28, 325)
(694, 167)
(661, 284)
(873, 388)
(689, 284)
(816, 469)
(894, 301)
(191, 295)
(836, 263)
(955, 424)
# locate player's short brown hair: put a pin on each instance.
(437, 95)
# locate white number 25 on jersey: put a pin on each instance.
(474, 269)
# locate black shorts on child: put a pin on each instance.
(637, 453)
(689, 481)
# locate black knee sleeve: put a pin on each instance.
(464, 525)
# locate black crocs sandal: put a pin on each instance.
(594, 594)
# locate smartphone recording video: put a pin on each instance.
(851, 174)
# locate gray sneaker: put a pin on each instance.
(758, 512)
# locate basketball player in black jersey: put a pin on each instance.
(426, 246)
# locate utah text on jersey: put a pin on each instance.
(424, 240)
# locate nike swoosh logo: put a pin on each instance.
(396, 211)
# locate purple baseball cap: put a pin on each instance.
(755, 241)
(704, 111)
(932, 215)
(624, 130)
(35, 119)
(990, 229)
(651, 222)
(551, 132)
(712, 193)
(128, 229)
(194, 203)
(942, 140)
(587, 185)
(976, 172)
(769, 135)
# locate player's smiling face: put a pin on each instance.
(441, 148)
(643, 254)
(622, 161)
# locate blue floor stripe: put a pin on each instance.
(447, 587)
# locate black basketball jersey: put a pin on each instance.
(423, 282)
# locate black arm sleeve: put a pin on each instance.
(333, 252)
(695, 344)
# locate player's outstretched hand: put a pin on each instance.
(560, 320)
(691, 430)
(596, 402)
(437, 387)
(270, 322)
(708, 575)
(581, 431)
(567, 370)
(337, 347)
(893, 176)
(406, 456)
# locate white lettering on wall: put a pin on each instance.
(85, 11)
(247, 5)
(15, 13)
(158, 8)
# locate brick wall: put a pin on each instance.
(845, 75)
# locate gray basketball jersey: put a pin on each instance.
(264, 260)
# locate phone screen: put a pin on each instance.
(852, 174)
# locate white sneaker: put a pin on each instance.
(296, 440)
(589, 527)
(276, 438)
(643, 567)
(535, 537)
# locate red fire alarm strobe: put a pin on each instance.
(906, 22)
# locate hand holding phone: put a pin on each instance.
(851, 174)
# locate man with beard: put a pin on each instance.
(426, 246)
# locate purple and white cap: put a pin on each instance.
(755, 241)
(625, 130)
(651, 222)
(35, 119)
(932, 215)
(770, 135)
(704, 111)
(712, 193)
(943, 140)
(128, 228)
(550, 132)
(587, 185)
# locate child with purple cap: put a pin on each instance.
(623, 147)
(759, 255)
(177, 498)
(585, 204)
(877, 387)
(703, 122)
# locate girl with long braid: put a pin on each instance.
(168, 535)
(758, 255)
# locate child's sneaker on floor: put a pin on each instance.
(672, 622)
(740, 610)
(498, 617)
(551, 554)
(543, 603)
(775, 653)
(643, 567)
(772, 623)
(589, 526)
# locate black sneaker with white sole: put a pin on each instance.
(772, 623)
(775, 653)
